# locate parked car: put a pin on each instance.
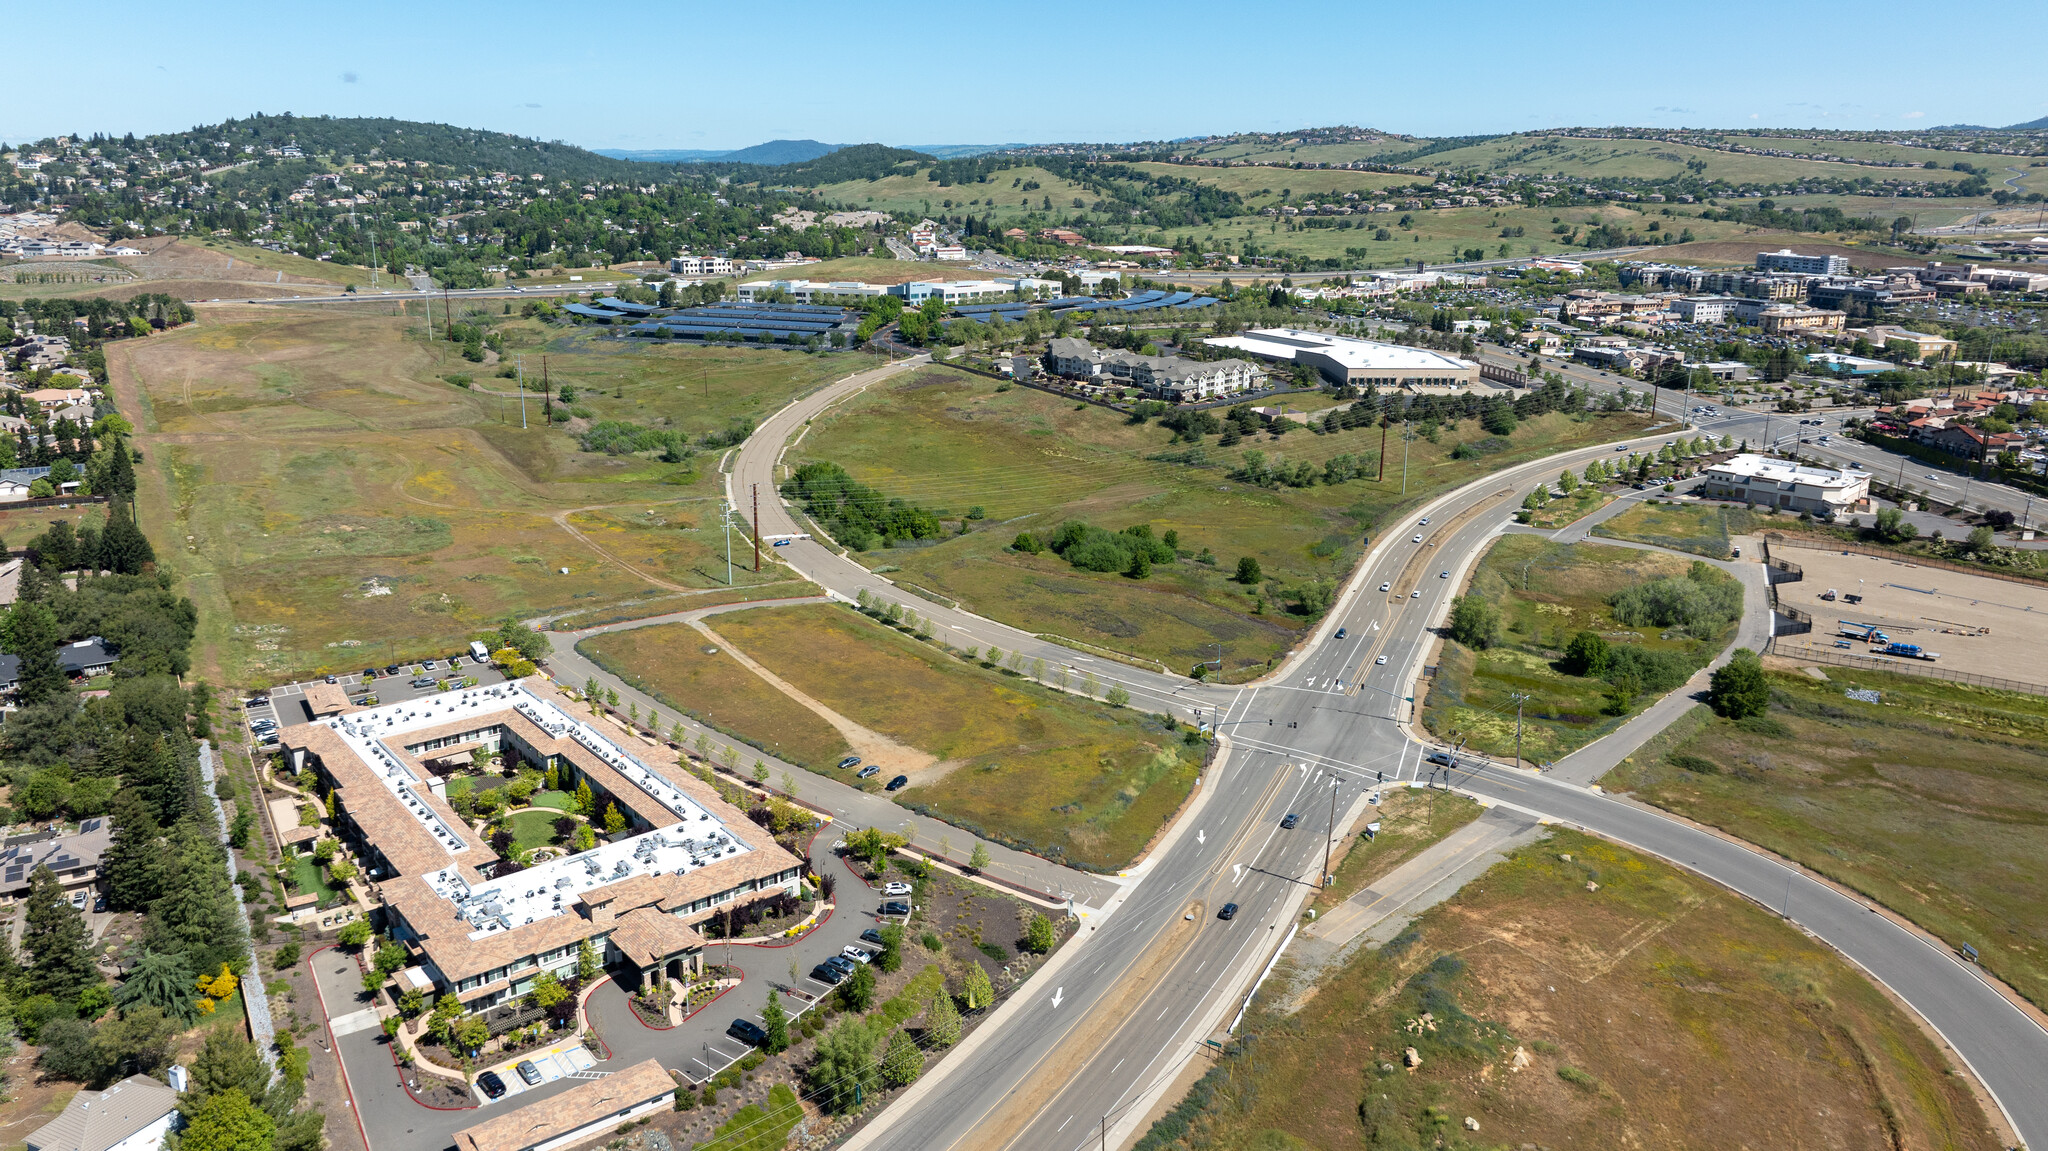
(391, 669)
(857, 954)
(1291, 821)
(869, 772)
(895, 887)
(424, 681)
(1229, 911)
(898, 782)
(849, 761)
(896, 907)
(528, 1072)
(494, 1087)
(333, 679)
(874, 936)
(747, 1031)
(826, 973)
(369, 673)
(428, 665)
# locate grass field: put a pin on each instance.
(1658, 160)
(20, 525)
(950, 441)
(1583, 501)
(677, 665)
(328, 499)
(1932, 802)
(532, 829)
(1546, 593)
(875, 270)
(1003, 196)
(1638, 1012)
(1700, 529)
(1410, 820)
(1039, 769)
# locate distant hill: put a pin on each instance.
(852, 162)
(956, 151)
(363, 138)
(772, 153)
(664, 155)
(2031, 124)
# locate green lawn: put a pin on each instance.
(1546, 593)
(1701, 530)
(1934, 802)
(531, 829)
(950, 442)
(1572, 508)
(1037, 768)
(558, 800)
(307, 876)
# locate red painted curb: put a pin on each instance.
(334, 1045)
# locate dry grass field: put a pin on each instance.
(1580, 995)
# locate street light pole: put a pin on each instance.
(1330, 833)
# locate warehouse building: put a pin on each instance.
(1345, 360)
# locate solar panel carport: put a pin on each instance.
(588, 312)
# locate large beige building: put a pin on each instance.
(1769, 482)
(483, 931)
(1354, 362)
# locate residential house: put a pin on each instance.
(74, 858)
(133, 1115)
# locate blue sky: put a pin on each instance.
(698, 75)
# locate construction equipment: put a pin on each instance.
(1867, 632)
(1910, 651)
(1828, 595)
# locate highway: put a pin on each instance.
(1107, 1023)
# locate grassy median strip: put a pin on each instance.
(1581, 995)
(1024, 764)
(1932, 801)
(1654, 619)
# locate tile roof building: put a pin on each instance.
(485, 931)
(577, 1115)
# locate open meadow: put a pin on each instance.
(1702, 529)
(1031, 461)
(1581, 995)
(331, 500)
(1932, 801)
(1004, 196)
(1039, 769)
(1545, 594)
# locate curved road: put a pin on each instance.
(1116, 1014)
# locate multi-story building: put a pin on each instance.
(1701, 309)
(1919, 345)
(1754, 479)
(1171, 378)
(702, 266)
(1790, 319)
(484, 931)
(1787, 260)
(1352, 362)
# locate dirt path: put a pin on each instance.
(893, 757)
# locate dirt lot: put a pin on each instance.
(1978, 624)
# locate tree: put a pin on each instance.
(891, 957)
(1586, 654)
(858, 992)
(1248, 571)
(586, 802)
(614, 822)
(1039, 935)
(1738, 689)
(903, 1062)
(56, 939)
(227, 1121)
(1116, 696)
(355, 934)
(546, 991)
(844, 1069)
(226, 1063)
(977, 860)
(1980, 541)
(124, 550)
(32, 635)
(68, 1051)
(142, 1034)
(977, 992)
(587, 966)
(1475, 622)
(942, 1021)
(1567, 482)
(161, 982)
(471, 1033)
(775, 1021)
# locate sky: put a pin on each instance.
(699, 75)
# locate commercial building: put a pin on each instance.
(135, 1114)
(1762, 480)
(1171, 378)
(1352, 362)
(1919, 345)
(702, 266)
(1790, 319)
(1701, 309)
(1787, 260)
(577, 1115)
(484, 932)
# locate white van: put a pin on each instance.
(478, 652)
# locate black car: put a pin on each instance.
(493, 1086)
(826, 973)
(1342, 632)
(899, 781)
(746, 1031)
(895, 907)
(391, 669)
(1290, 821)
(871, 935)
(1229, 911)
(369, 673)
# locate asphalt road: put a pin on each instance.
(1327, 719)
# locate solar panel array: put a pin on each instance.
(628, 307)
(774, 321)
(592, 313)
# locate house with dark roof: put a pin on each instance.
(87, 658)
(132, 1115)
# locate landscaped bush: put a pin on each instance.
(1096, 549)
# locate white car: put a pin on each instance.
(1423, 522)
(1416, 538)
(1416, 594)
(858, 955)
(895, 888)
(1388, 586)
(1380, 660)
(1443, 575)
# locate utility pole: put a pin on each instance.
(725, 516)
(1519, 701)
(757, 529)
(1405, 439)
(1330, 834)
(520, 364)
(447, 312)
(1384, 424)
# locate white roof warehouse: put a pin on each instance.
(1347, 360)
(1781, 483)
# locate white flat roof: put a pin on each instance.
(1353, 353)
(1786, 472)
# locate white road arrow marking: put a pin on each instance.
(1200, 838)
(1056, 996)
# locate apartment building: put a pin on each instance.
(1787, 260)
(1170, 378)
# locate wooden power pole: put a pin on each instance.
(757, 529)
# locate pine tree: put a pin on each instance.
(586, 803)
(123, 548)
(32, 635)
(168, 786)
(196, 916)
(133, 864)
(56, 940)
(942, 1021)
(775, 1022)
(904, 1061)
(121, 475)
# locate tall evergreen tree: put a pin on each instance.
(56, 939)
(121, 474)
(195, 917)
(123, 547)
(133, 864)
(32, 635)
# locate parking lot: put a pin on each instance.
(285, 706)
